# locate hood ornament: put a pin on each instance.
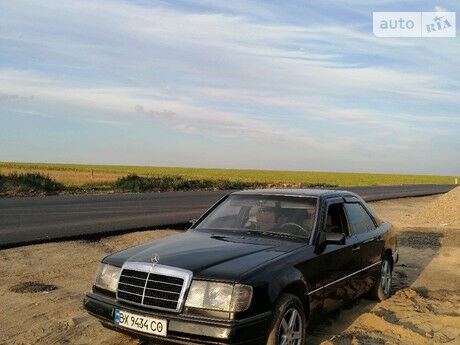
(155, 258)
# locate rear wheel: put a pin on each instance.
(288, 322)
(382, 288)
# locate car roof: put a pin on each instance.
(307, 192)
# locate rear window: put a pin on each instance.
(358, 219)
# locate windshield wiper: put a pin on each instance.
(254, 232)
(270, 233)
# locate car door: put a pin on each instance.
(340, 264)
(364, 226)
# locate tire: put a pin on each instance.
(280, 331)
(382, 288)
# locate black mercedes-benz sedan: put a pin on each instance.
(254, 268)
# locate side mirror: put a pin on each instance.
(326, 238)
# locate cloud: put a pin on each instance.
(125, 105)
(223, 72)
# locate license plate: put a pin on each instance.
(140, 323)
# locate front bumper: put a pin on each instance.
(183, 329)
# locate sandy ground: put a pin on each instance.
(424, 307)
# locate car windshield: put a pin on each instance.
(270, 215)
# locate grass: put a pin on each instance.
(90, 178)
(38, 184)
(28, 184)
(136, 184)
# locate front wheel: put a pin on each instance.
(288, 322)
(382, 288)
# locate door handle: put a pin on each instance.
(355, 248)
(379, 239)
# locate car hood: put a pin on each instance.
(209, 255)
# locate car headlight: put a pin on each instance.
(107, 277)
(219, 296)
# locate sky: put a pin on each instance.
(284, 85)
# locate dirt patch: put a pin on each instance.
(57, 316)
(406, 318)
(32, 287)
(392, 211)
(444, 211)
(424, 307)
(420, 240)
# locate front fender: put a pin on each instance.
(290, 280)
(296, 272)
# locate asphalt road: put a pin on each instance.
(29, 220)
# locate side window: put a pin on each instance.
(359, 220)
(335, 220)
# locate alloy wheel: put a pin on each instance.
(290, 332)
(385, 277)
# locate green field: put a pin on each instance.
(100, 175)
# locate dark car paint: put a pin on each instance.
(210, 255)
(323, 280)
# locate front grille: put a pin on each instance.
(153, 286)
